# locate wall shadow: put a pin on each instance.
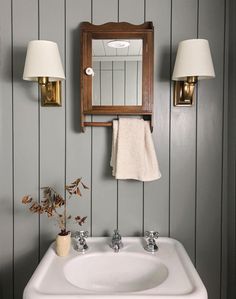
(24, 267)
(75, 80)
(28, 87)
(6, 281)
(107, 170)
(163, 69)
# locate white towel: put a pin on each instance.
(133, 154)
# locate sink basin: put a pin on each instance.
(109, 272)
(167, 273)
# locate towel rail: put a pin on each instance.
(98, 124)
(106, 124)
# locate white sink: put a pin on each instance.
(167, 274)
(109, 272)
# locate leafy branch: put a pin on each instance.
(52, 201)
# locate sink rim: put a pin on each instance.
(66, 290)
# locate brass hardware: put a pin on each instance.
(184, 90)
(50, 92)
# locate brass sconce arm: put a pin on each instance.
(50, 92)
(184, 90)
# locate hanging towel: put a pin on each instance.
(133, 154)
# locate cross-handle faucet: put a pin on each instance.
(151, 236)
(116, 243)
(80, 237)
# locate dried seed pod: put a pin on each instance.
(26, 199)
(80, 220)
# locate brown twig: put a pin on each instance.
(53, 200)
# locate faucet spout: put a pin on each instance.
(116, 247)
(116, 242)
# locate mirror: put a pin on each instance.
(116, 70)
(117, 66)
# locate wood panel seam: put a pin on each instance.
(13, 157)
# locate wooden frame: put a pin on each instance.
(112, 30)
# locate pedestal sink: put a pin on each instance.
(132, 272)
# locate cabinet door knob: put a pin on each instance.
(89, 71)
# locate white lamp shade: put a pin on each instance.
(43, 60)
(193, 59)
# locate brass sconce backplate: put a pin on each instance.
(50, 93)
(184, 92)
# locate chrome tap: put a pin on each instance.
(116, 243)
(80, 237)
(151, 243)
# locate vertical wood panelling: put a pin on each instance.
(52, 121)
(131, 96)
(78, 145)
(49, 148)
(224, 212)
(96, 99)
(104, 187)
(26, 153)
(119, 82)
(231, 211)
(156, 194)
(183, 140)
(131, 11)
(6, 230)
(106, 82)
(130, 193)
(139, 83)
(209, 151)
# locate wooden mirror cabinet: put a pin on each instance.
(116, 70)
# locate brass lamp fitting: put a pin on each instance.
(50, 92)
(184, 90)
(48, 75)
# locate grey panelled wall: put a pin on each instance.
(232, 155)
(44, 145)
(117, 82)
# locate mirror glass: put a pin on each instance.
(117, 66)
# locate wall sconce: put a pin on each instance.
(43, 64)
(193, 62)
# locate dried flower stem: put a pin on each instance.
(53, 200)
